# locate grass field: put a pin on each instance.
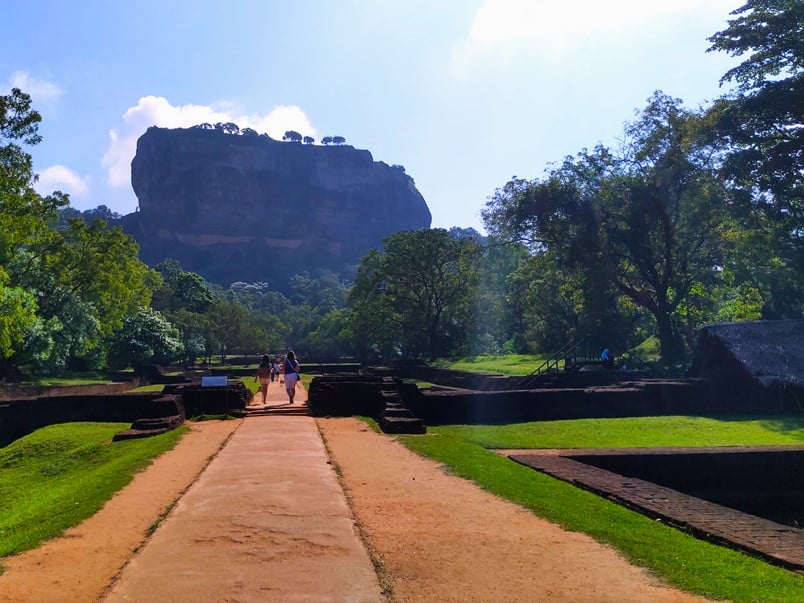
(419, 383)
(633, 432)
(681, 560)
(508, 364)
(68, 378)
(154, 387)
(59, 475)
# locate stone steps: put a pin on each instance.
(285, 410)
(143, 428)
(411, 425)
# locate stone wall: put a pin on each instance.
(231, 399)
(636, 399)
(21, 417)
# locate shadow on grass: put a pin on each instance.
(790, 425)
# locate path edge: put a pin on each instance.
(383, 577)
(166, 512)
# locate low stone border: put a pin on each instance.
(776, 543)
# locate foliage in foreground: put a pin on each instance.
(681, 560)
(59, 475)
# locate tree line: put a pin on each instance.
(289, 135)
(696, 217)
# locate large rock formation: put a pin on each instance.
(247, 207)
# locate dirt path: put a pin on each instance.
(438, 537)
(79, 565)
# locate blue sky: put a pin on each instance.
(463, 93)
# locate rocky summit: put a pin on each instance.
(246, 207)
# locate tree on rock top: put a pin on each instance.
(292, 136)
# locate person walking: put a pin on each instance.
(291, 375)
(264, 376)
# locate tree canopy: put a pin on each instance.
(649, 220)
(65, 289)
(417, 294)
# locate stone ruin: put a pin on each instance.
(763, 359)
(149, 413)
(381, 398)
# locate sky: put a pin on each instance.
(465, 94)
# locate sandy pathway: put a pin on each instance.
(438, 537)
(81, 563)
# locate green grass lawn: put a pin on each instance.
(254, 366)
(507, 364)
(59, 475)
(681, 560)
(634, 432)
(251, 384)
(154, 387)
(68, 378)
(419, 383)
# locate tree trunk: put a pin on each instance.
(672, 349)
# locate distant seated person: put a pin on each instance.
(606, 360)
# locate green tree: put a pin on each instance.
(83, 278)
(18, 317)
(292, 136)
(761, 126)
(649, 221)
(191, 326)
(332, 337)
(419, 290)
(102, 267)
(764, 118)
(375, 324)
(181, 290)
(231, 328)
(146, 337)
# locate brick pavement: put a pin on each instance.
(779, 544)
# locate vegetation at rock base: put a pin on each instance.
(695, 218)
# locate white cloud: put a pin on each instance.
(41, 91)
(553, 28)
(61, 178)
(157, 111)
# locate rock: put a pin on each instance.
(250, 208)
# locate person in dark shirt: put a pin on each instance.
(291, 375)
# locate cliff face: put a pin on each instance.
(237, 207)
